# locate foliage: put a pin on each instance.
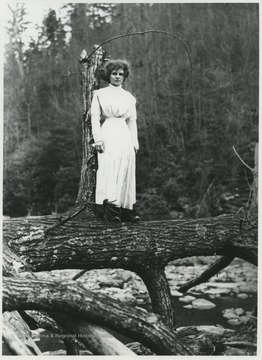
(187, 126)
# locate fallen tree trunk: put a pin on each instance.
(79, 245)
(145, 248)
(73, 331)
(15, 345)
(74, 299)
(95, 338)
(17, 335)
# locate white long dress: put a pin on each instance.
(115, 179)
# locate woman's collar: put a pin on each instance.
(115, 87)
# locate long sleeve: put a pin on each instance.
(132, 125)
(95, 119)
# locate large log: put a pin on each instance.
(74, 299)
(95, 338)
(98, 340)
(145, 248)
(83, 245)
(17, 335)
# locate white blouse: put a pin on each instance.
(115, 102)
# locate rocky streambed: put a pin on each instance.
(224, 304)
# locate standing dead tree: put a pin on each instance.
(78, 240)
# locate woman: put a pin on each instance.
(116, 143)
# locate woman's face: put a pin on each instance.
(117, 77)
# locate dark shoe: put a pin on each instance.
(112, 212)
(129, 216)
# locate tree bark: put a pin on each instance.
(15, 345)
(90, 81)
(80, 245)
(73, 298)
(95, 338)
(17, 335)
(145, 248)
(157, 285)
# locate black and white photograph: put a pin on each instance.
(130, 149)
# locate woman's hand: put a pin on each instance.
(136, 149)
(99, 146)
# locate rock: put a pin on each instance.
(234, 322)
(230, 314)
(248, 288)
(202, 304)
(213, 296)
(222, 276)
(217, 291)
(139, 301)
(188, 306)
(227, 285)
(171, 276)
(242, 296)
(187, 299)
(244, 319)
(109, 282)
(239, 311)
(201, 288)
(174, 282)
(176, 293)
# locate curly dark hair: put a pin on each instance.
(115, 65)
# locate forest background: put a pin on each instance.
(187, 125)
